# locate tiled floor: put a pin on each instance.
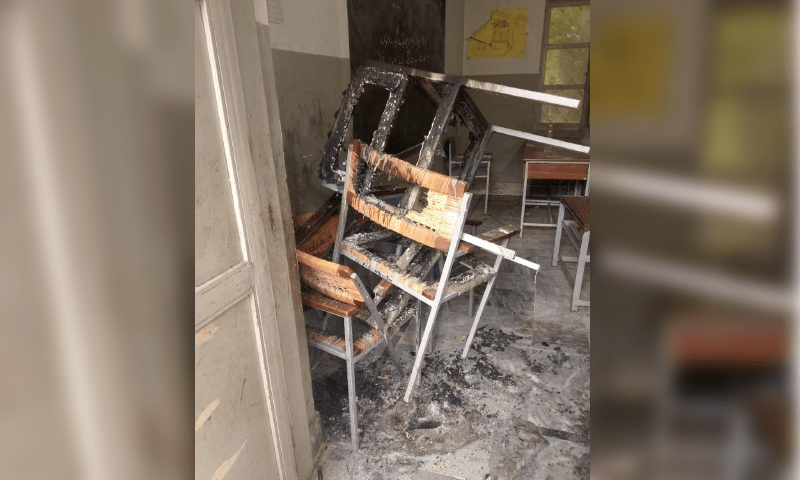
(516, 408)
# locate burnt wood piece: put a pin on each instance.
(462, 282)
(360, 344)
(322, 239)
(324, 266)
(413, 282)
(579, 208)
(423, 177)
(434, 138)
(473, 156)
(473, 223)
(330, 171)
(494, 236)
(329, 208)
(329, 305)
(433, 226)
(329, 278)
(549, 171)
(388, 117)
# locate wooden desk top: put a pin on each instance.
(535, 151)
(579, 207)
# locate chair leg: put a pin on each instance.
(557, 245)
(389, 348)
(471, 300)
(420, 351)
(486, 200)
(351, 380)
(484, 299)
(418, 332)
(524, 198)
(576, 292)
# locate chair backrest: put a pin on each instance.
(434, 225)
(329, 278)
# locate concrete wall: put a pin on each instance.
(517, 72)
(311, 62)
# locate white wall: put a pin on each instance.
(318, 27)
(477, 12)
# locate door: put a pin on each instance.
(241, 426)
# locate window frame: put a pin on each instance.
(581, 126)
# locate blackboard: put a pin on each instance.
(409, 33)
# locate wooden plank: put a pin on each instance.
(414, 283)
(496, 235)
(579, 208)
(324, 266)
(335, 287)
(321, 239)
(435, 182)
(462, 282)
(327, 304)
(330, 207)
(299, 220)
(361, 344)
(549, 171)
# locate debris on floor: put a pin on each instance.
(516, 408)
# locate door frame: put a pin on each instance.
(251, 276)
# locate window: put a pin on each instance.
(565, 62)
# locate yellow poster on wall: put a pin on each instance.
(503, 36)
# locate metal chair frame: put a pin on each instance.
(440, 296)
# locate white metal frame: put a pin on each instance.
(582, 246)
(550, 203)
(351, 359)
(486, 161)
(452, 253)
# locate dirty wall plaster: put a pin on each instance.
(309, 93)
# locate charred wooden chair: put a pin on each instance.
(438, 225)
(335, 290)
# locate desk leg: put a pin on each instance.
(524, 195)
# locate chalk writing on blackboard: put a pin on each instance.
(402, 49)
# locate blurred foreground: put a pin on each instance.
(694, 293)
(96, 257)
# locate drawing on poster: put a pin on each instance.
(503, 36)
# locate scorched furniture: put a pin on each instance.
(336, 291)
(438, 225)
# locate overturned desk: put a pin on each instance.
(559, 164)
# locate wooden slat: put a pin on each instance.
(324, 266)
(579, 207)
(329, 305)
(337, 288)
(414, 283)
(432, 227)
(549, 171)
(435, 182)
(322, 239)
(496, 235)
(299, 220)
(462, 282)
(360, 344)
